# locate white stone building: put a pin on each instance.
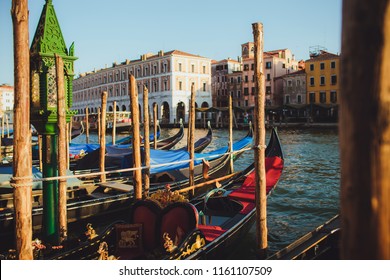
(168, 77)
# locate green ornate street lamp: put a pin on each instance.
(47, 42)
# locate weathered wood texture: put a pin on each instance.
(86, 125)
(22, 157)
(259, 133)
(146, 140)
(102, 136)
(191, 142)
(365, 130)
(114, 125)
(137, 174)
(155, 125)
(62, 144)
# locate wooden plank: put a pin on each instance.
(117, 186)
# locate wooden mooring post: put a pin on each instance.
(62, 144)
(146, 140)
(155, 125)
(22, 157)
(231, 133)
(259, 132)
(86, 125)
(137, 174)
(364, 130)
(102, 136)
(191, 142)
(113, 133)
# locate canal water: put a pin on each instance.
(307, 194)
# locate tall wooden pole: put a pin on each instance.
(146, 140)
(191, 141)
(364, 130)
(87, 125)
(62, 143)
(102, 137)
(137, 174)
(231, 133)
(22, 157)
(99, 121)
(114, 125)
(261, 197)
(155, 125)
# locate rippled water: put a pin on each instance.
(308, 191)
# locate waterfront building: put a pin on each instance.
(294, 96)
(6, 101)
(168, 77)
(322, 85)
(275, 64)
(225, 76)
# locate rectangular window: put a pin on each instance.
(204, 86)
(246, 79)
(311, 67)
(268, 65)
(333, 96)
(192, 68)
(204, 69)
(299, 99)
(268, 77)
(323, 97)
(253, 90)
(322, 65)
(179, 67)
(322, 80)
(239, 79)
(333, 79)
(287, 99)
(333, 64)
(246, 91)
(231, 80)
(246, 67)
(180, 85)
(312, 81)
(312, 97)
(268, 89)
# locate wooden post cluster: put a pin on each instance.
(22, 158)
(259, 125)
(364, 130)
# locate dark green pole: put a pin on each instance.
(46, 44)
(50, 189)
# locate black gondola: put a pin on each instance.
(206, 228)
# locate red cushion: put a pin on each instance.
(178, 220)
(146, 212)
(211, 232)
(246, 192)
(247, 207)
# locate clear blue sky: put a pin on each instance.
(116, 30)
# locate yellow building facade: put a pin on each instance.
(322, 78)
(323, 84)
